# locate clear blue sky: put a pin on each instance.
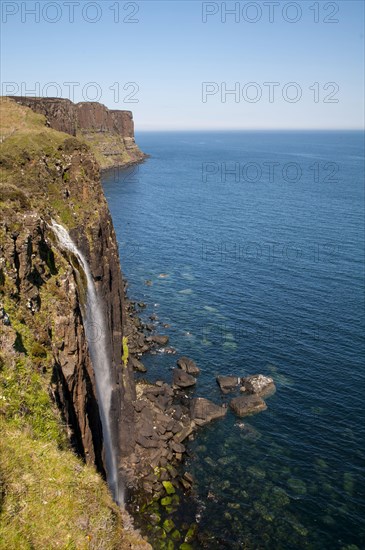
(169, 52)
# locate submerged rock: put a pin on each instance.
(203, 411)
(169, 351)
(182, 379)
(258, 384)
(188, 365)
(247, 404)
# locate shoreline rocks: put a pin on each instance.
(168, 417)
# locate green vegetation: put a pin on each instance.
(101, 142)
(51, 499)
(25, 402)
(125, 355)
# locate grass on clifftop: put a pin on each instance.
(37, 170)
(23, 133)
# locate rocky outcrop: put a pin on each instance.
(110, 133)
(255, 386)
(95, 117)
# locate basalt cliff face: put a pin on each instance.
(45, 361)
(109, 133)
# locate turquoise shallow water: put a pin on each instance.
(264, 274)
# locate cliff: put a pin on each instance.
(109, 133)
(47, 383)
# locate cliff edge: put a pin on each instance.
(48, 402)
(109, 133)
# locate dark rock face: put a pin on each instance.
(60, 113)
(96, 117)
(258, 384)
(110, 133)
(182, 379)
(188, 365)
(103, 258)
(203, 411)
(245, 405)
(123, 123)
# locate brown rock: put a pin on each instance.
(182, 379)
(188, 365)
(161, 340)
(203, 411)
(136, 364)
(245, 405)
(258, 384)
(185, 432)
(177, 447)
(147, 443)
(227, 383)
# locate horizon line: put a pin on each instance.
(249, 129)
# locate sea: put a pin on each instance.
(249, 249)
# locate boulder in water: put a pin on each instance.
(227, 383)
(203, 411)
(182, 379)
(188, 365)
(247, 404)
(258, 384)
(161, 340)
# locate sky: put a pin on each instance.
(191, 65)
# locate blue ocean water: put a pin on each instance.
(260, 241)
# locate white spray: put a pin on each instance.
(94, 324)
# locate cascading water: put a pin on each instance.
(94, 323)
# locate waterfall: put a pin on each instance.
(96, 335)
